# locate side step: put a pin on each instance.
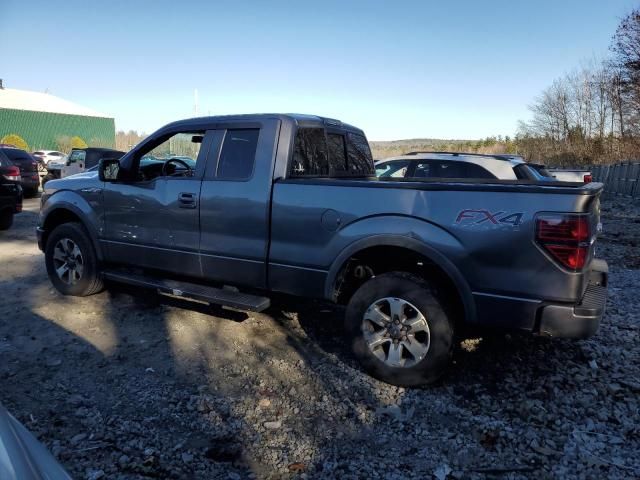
(218, 296)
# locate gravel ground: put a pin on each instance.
(127, 384)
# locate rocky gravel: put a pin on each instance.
(129, 385)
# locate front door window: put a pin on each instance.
(175, 157)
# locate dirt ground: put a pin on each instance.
(128, 384)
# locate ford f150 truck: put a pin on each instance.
(229, 209)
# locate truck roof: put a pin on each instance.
(302, 120)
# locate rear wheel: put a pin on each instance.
(6, 219)
(400, 329)
(71, 261)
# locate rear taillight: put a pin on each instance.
(588, 178)
(565, 237)
(12, 174)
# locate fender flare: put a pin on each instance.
(73, 207)
(410, 244)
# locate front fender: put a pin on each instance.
(420, 236)
(84, 206)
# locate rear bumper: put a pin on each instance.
(544, 317)
(581, 320)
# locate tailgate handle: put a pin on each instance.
(187, 200)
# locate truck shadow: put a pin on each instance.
(163, 387)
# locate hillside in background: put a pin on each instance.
(386, 149)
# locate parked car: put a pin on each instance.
(290, 203)
(417, 165)
(47, 156)
(22, 457)
(30, 180)
(10, 192)
(78, 161)
(571, 175)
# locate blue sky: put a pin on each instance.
(401, 69)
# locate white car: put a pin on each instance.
(416, 165)
(47, 156)
(568, 175)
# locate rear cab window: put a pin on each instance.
(329, 152)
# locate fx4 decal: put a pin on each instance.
(472, 216)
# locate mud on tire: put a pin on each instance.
(408, 325)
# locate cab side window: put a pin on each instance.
(176, 157)
(238, 154)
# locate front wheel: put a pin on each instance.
(400, 329)
(71, 261)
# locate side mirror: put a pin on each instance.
(108, 169)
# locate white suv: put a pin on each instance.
(416, 165)
(47, 156)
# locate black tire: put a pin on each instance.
(90, 281)
(6, 219)
(440, 324)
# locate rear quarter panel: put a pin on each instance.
(487, 235)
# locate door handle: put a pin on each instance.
(187, 200)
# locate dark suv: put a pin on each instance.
(28, 167)
(10, 192)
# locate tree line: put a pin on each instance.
(591, 115)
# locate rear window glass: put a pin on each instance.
(360, 159)
(238, 154)
(310, 154)
(317, 155)
(337, 154)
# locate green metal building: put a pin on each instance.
(40, 121)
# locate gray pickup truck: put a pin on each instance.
(229, 209)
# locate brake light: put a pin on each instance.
(565, 237)
(587, 178)
(12, 174)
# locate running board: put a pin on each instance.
(202, 293)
